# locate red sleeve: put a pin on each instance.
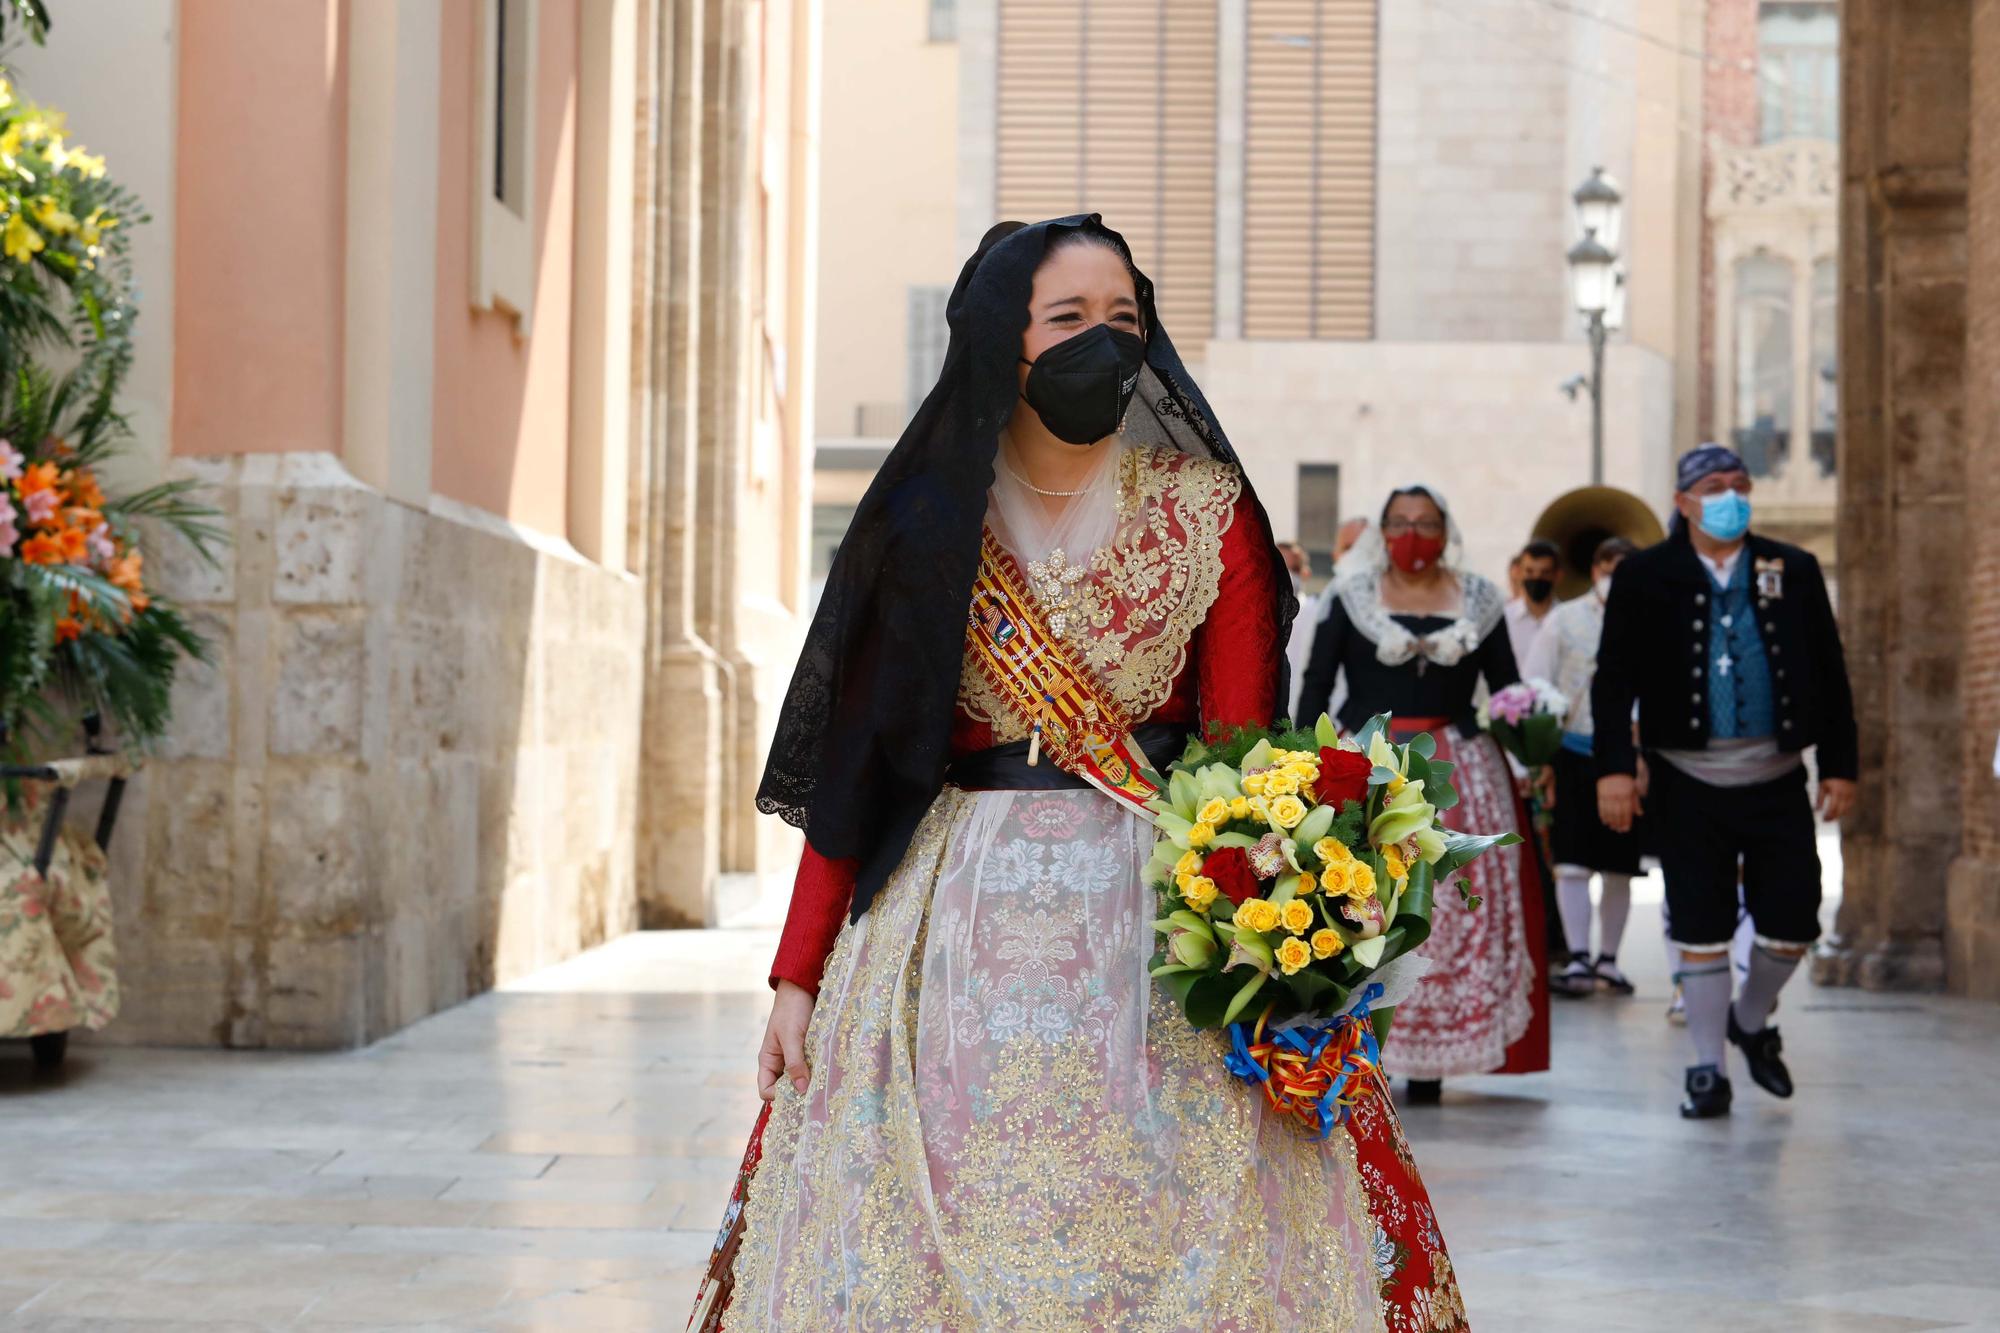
(820, 896)
(1236, 650)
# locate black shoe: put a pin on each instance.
(1424, 1092)
(1575, 981)
(1762, 1052)
(1707, 1094)
(1607, 973)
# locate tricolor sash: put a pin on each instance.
(1034, 672)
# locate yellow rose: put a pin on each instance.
(1216, 811)
(1239, 808)
(1181, 882)
(1333, 879)
(1253, 784)
(1281, 783)
(1330, 850)
(1307, 882)
(1287, 811)
(1199, 892)
(1302, 770)
(1278, 757)
(1260, 807)
(1189, 864)
(1327, 943)
(1393, 860)
(1258, 914)
(1360, 880)
(1293, 955)
(1201, 835)
(1297, 916)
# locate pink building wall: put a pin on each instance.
(501, 438)
(259, 221)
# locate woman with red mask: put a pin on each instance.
(1414, 634)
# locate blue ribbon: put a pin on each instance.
(1311, 1042)
(1238, 1061)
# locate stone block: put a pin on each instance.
(320, 545)
(190, 836)
(316, 705)
(318, 994)
(175, 990)
(316, 856)
(203, 708)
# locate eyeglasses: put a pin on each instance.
(1424, 527)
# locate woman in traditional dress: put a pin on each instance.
(985, 1116)
(1414, 633)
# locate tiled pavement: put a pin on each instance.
(554, 1157)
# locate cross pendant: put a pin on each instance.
(1724, 662)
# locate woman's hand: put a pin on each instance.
(784, 1051)
(1618, 801)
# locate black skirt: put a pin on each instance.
(1580, 837)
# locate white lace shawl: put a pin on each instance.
(1481, 607)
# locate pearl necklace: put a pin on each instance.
(1053, 495)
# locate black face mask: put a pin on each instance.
(1081, 386)
(1538, 590)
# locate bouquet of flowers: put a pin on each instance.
(1293, 868)
(1527, 719)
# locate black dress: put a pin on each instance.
(1416, 688)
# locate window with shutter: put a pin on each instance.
(1108, 106)
(1309, 169)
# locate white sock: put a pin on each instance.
(1673, 951)
(1614, 904)
(1705, 987)
(1573, 901)
(1768, 974)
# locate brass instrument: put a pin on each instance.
(1578, 521)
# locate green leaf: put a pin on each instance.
(1241, 1000)
(1208, 999)
(1424, 744)
(1461, 849)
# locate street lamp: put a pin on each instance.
(1599, 287)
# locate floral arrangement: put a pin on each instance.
(81, 635)
(1527, 719)
(1292, 869)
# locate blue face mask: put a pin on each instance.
(1725, 516)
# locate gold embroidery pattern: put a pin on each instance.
(1072, 1155)
(1132, 617)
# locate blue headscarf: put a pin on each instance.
(1706, 460)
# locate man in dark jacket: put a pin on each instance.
(1726, 644)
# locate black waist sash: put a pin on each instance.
(1006, 767)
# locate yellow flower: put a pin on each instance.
(1258, 914)
(1260, 807)
(1331, 850)
(1327, 943)
(1199, 892)
(52, 216)
(1333, 879)
(1297, 916)
(1307, 883)
(1189, 864)
(84, 164)
(1392, 857)
(1293, 955)
(1216, 811)
(1281, 783)
(1239, 808)
(1279, 757)
(1303, 770)
(1287, 811)
(1201, 835)
(96, 225)
(1253, 784)
(1360, 880)
(20, 241)
(10, 141)
(1181, 882)
(1396, 784)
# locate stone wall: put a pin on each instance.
(1972, 916)
(411, 773)
(1904, 529)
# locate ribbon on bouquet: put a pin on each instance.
(1034, 671)
(1317, 1072)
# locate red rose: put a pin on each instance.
(1343, 777)
(1230, 868)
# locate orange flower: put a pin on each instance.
(124, 571)
(140, 601)
(75, 543)
(83, 489)
(42, 549)
(37, 477)
(68, 628)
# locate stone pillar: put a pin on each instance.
(1972, 919)
(1903, 524)
(679, 836)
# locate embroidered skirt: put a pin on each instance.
(1008, 1127)
(1484, 1008)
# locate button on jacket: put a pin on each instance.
(1656, 645)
